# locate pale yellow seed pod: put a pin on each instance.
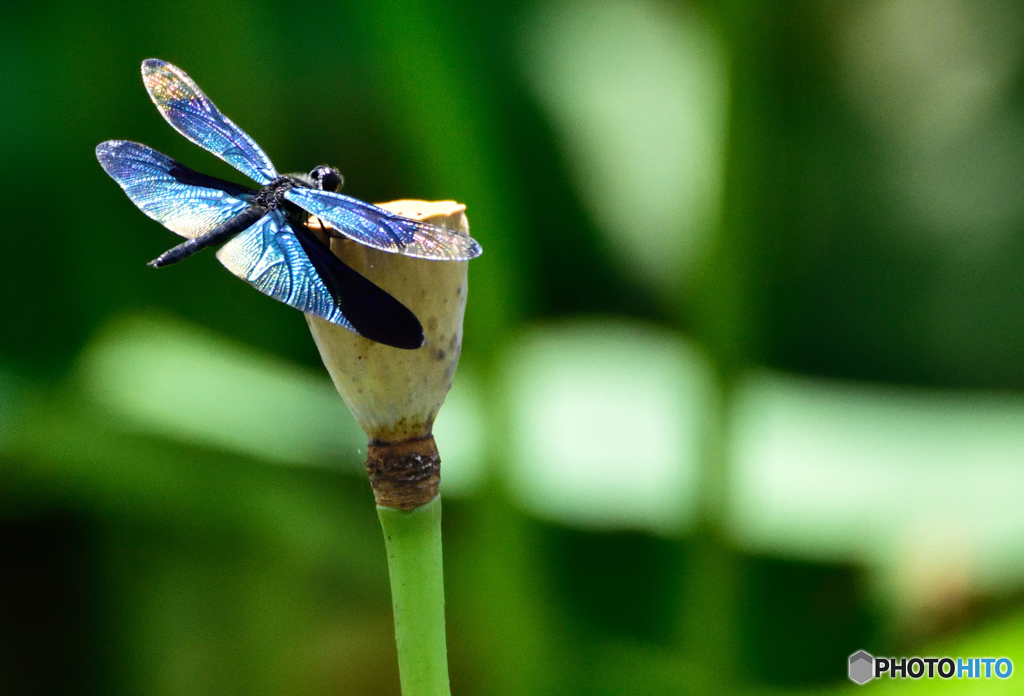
(395, 394)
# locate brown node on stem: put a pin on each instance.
(404, 475)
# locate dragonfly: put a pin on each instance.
(268, 241)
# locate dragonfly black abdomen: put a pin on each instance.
(215, 236)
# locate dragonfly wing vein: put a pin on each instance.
(384, 230)
(191, 113)
(158, 186)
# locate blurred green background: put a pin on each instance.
(741, 389)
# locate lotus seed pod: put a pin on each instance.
(395, 394)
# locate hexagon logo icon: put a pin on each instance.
(862, 667)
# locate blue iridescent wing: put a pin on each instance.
(192, 114)
(291, 265)
(180, 199)
(380, 229)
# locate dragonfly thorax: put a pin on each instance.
(323, 178)
(272, 195)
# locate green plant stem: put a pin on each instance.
(413, 542)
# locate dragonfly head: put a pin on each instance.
(327, 178)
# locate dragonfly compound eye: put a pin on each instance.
(327, 178)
